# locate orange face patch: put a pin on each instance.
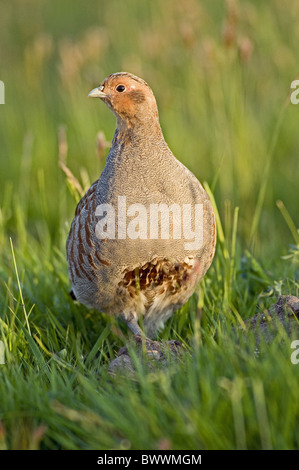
(125, 94)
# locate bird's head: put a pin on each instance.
(129, 97)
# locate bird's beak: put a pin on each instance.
(97, 93)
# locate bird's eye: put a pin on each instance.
(120, 88)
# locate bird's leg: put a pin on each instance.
(135, 328)
(145, 346)
(149, 346)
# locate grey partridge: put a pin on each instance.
(144, 234)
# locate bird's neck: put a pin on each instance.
(137, 132)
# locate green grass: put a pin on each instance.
(222, 81)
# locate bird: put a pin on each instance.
(144, 233)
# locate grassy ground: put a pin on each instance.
(221, 72)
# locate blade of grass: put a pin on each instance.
(97, 345)
(19, 286)
(265, 179)
(289, 221)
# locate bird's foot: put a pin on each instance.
(155, 349)
(160, 352)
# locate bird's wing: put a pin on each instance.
(83, 204)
